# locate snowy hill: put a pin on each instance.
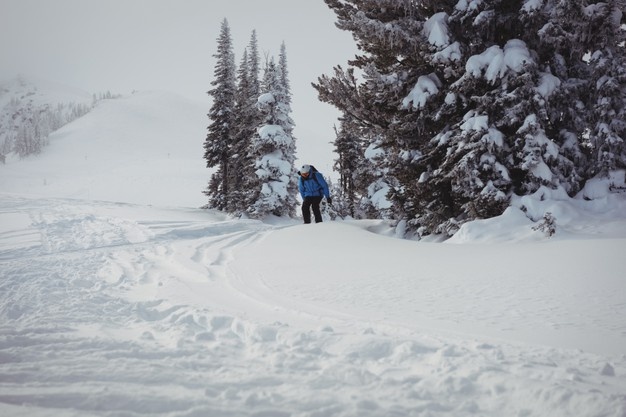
(145, 148)
(119, 297)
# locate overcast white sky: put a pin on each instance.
(126, 45)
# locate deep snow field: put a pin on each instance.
(120, 297)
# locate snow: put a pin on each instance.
(269, 166)
(436, 30)
(493, 137)
(266, 98)
(471, 5)
(426, 86)
(119, 297)
(548, 84)
(274, 134)
(448, 54)
(531, 5)
(475, 122)
(516, 55)
(496, 62)
(598, 189)
(149, 143)
(595, 9)
(373, 151)
(534, 143)
(377, 193)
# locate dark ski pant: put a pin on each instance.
(307, 204)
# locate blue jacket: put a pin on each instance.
(313, 186)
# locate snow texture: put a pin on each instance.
(436, 30)
(468, 5)
(426, 86)
(473, 122)
(119, 298)
(548, 84)
(531, 5)
(494, 63)
(450, 53)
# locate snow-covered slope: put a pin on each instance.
(144, 305)
(145, 148)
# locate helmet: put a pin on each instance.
(305, 170)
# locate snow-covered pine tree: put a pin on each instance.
(241, 178)
(241, 167)
(28, 140)
(354, 172)
(254, 66)
(219, 140)
(287, 122)
(394, 56)
(473, 101)
(371, 116)
(606, 38)
(252, 120)
(274, 148)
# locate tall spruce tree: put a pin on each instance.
(608, 85)
(287, 122)
(474, 101)
(254, 66)
(219, 140)
(240, 160)
(355, 175)
(247, 118)
(252, 120)
(273, 147)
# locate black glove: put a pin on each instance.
(329, 200)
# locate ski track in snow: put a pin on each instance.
(119, 310)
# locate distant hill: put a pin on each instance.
(32, 109)
(145, 148)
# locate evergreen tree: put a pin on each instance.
(246, 119)
(219, 140)
(608, 85)
(473, 101)
(353, 168)
(254, 67)
(274, 147)
(285, 84)
(287, 122)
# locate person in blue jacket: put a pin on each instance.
(313, 188)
